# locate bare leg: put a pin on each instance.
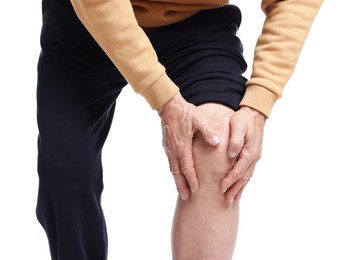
(205, 226)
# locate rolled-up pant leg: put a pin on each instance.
(75, 111)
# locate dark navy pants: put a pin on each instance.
(76, 95)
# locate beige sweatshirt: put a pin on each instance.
(117, 25)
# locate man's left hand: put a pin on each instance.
(247, 127)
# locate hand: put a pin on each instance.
(180, 120)
(245, 144)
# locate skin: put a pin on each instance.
(205, 225)
(210, 177)
(181, 120)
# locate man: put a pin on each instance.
(184, 57)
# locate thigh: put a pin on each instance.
(204, 56)
(74, 114)
(65, 92)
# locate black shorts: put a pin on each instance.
(201, 54)
(204, 57)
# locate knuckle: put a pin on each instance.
(166, 145)
(237, 174)
(253, 154)
(198, 119)
(179, 148)
(245, 179)
(171, 165)
(256, 152)
(246, 154)
(187, 171)
(257, 157)
(236, 144)
(176, 174)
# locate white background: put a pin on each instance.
(299, 204)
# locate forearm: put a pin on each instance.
(285, 29)
(113, 25)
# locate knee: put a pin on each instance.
(212, 164)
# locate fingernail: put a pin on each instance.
(232, 154)
(231, 200)
(215, 140)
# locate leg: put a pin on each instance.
(204, 57)
(205, 226)
(74, 116)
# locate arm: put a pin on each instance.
(276, 53)
(113, 25)
(285, 29)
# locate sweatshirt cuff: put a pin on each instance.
(260, 99)
(160, 92)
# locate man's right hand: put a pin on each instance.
(180, 120)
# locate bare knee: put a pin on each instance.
(212, 164)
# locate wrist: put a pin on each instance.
(257, 114)
(176, 101)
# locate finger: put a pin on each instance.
(237, 172)
(185, 165)
(180, 180)
(182, 185)
(187, 168)
(174, 164)
(238, 134)
(239, 195)
(235, 191)
(206, 130)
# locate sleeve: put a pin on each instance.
(277, 50)
(113, 25)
